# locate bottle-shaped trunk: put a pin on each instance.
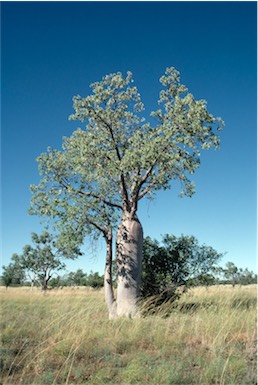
(129, 262)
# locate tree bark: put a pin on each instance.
(129, 262)
(45, 282)
(44, 285)
(108, 285)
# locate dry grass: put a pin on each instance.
(65, 337)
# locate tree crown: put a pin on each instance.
(119, 157)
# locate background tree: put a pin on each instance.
(13, 274)
(41, 259)
(205, 279)
(231, 273)
(95, 280)
(56, 282)
(178, 261)
(118, 160)
(7, 276)
(77, 278)
(197, 260)
(247, 277)
(238, 276)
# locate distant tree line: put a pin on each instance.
(78, 278)
(174, 262)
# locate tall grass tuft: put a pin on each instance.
(207, 337)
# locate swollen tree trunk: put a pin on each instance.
(108, 285)
(129, 263)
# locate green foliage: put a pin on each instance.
(234, 275)
(119, 157)
(79, 278)
(176, 262)
(13, 274)
(95, 280)
(41, 259)
(247, 277)
(204, 279)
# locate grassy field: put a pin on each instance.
(64, 337)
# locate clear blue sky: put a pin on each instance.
(54, 50)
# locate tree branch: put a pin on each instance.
(98, 227)
(91, 194)
(109, 127)
(145, 178)
(142, 181)
(111, 204)
(147, 189)
(103, 229)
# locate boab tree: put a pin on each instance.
(120, 158)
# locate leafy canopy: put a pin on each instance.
(13, 273)
(41, 258)
(177, 261)
(119, 157)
